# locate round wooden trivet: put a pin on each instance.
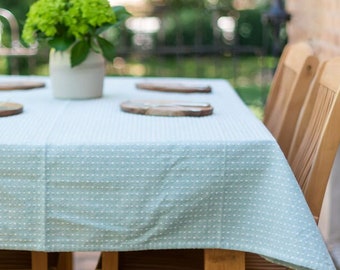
(8, 108)
(167, 108)
(174, 87)
(20, 85)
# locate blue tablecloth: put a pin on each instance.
(83, 175)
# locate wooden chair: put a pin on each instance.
(315, 144)
(293, 76)
(318, 136)
(27, 260)
(182, 259)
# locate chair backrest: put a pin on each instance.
(317, 135)
(294, 74)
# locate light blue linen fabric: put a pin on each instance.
(82, 175)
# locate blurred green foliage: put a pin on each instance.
(187, 23)
(178, 4)
(249, 29)
(18, 7)
(184, 26)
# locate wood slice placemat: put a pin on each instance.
(174, 87)
(9, 108)
(20, 85)
(167, 108)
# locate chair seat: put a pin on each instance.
(15, 259)
(160, 260)
(256, 262)
(181, 259)
(21, 260)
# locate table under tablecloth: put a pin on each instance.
(82, 175)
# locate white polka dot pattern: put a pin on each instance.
(85, 176)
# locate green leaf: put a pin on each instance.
(103, 28)
(107, 48)
(121, 14)
(61, 43)
(79, 52)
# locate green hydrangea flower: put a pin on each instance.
(87, 15)
(43, 18)
(75, 24)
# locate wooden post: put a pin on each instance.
(220, 259)
(65, 261)
(110, 260)
(39, 260)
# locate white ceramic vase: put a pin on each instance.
(84, 81)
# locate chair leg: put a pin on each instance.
(110, 260)
(39, 260)
(65, 261)
(220, 259)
